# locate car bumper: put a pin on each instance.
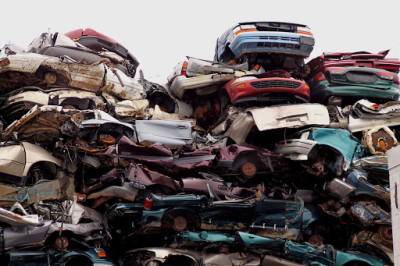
(321, 92)
(270, 42)
(268, 89)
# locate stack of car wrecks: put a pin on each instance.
(253, 158)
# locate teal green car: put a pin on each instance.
(346, 85)
(275, 251)
(89, 257)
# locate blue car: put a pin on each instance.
(264, 37)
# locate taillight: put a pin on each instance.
(184, 68)
(244, 28)
(4, 61)
(101, 253)
(242, 31)
(337, 70)
(319, 77)
(304, 30)
(387, 75)
(396, 80)
(148, 203)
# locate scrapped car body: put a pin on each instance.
(357, 184)
(22, 100)
(241, 161)
(48, 231)
(365, 115)
(90, 256)
(99, 42)
(290, 116)
(59, 189)
(47, 123)
(379, 140)
(168, 256)
(30, 68)
(274, 218)
(264, 37)
(346, 85)
(238, 123)
(305, 253)
(193, 67)
(273, 251)
(202, 85)
(342, 149)
(272, 87)
(12, 217)
(157, 255)
(167, 132)
(26, 163)
(201, 76)
(364, 59)
(152, 182)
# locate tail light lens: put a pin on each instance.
(148, 203)
(319, 77)
(101, 253)
(396, 80)
(242, 31)
(304, 30)
(244, 28)
(387, 75)
(184, 68)
(4, 61)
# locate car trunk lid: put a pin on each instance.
(361, 76)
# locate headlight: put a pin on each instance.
(241, 79)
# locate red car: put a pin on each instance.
(272, 87)
(321, 63)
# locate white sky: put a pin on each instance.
(160, 33)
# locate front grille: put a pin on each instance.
(289, 46)
(280, 38)
(275, 84)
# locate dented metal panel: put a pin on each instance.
(290, 116)
(295, 149)
(168, 132)
(60, 189)
(203, 85)
(15, 219)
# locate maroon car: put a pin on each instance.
(271, 87)
(321, 63)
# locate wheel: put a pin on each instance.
(179, 223)
(385, 232)
(61, 243)
(50, 78)
(248, 169)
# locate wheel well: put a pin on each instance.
(41, 170)
(50, 240)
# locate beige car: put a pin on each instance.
(25, 163)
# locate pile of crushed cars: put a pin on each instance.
(253, 158)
